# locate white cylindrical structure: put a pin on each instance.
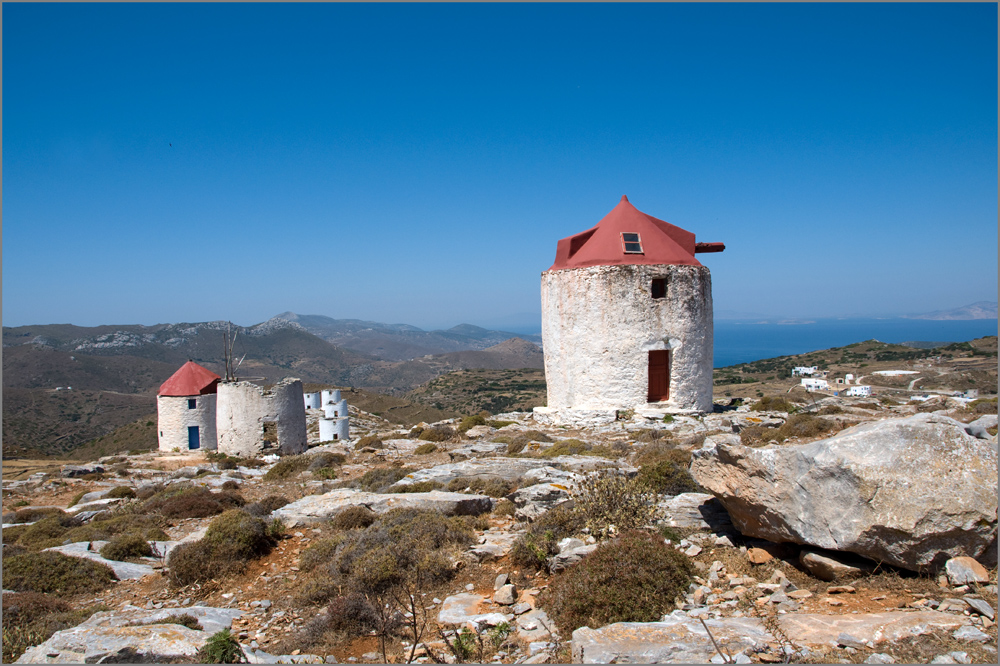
(335, 410)
(331, 396)
(186, 423)
(248, 418)
(312, 400)
(333, 430)
(608, 336)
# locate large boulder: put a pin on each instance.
(912, 492)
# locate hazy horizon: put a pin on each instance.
(418, 163)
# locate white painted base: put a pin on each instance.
(574, 417)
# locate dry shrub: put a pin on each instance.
(668, 478)
(369, 442)
(830, 409)
(437, 434)
(264, 507)
(652, 435)
(121, 492)
(44, 533)
(378, 479)
(566, 447)
(800, 425)
(871, 406)
(149, 490)
(55, 573)
(492, 487)
(232, 540)
(30, 618)
(504, 507)
(345, 617)
(353, 517)
(612, 503)
(287, 467)
(538, 543)
(230, 485)
(126, 546)
(418, 487)
(662, 450)
(192, 502)
(498, 423)
(325, 460)
(774, 403)
(633, 578)
(424, 449)
(31, 514)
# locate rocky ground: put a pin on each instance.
(806, 549)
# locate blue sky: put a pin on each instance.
(418, 163)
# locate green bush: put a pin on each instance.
(613, 501)
(496, 423)
(471, 422)
(633, 578)
(121, 492)
(222, 648)
(352, 518)
(668, 478)
(566, 447)
(424, 449)
(437, 434)
(54, 573)
(325, 473)
(32, 514)
(126, 546)
(287, 467)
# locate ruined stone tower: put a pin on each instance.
(627, 321)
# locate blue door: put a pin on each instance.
(194, 439)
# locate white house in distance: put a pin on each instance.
(185, 409)
(810, 384)
(859, 391)
(804, 371)
(627, 321)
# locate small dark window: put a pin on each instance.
(631, 243)
(192, 403)
(335, 436)
(659, 288)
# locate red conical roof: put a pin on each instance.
(604, 245)
(191, 379)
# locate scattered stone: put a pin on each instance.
(494, 545)
(533, 501)
(840, 589)
(969, 633)
(981, 607)
(963, 570)
(506, 595)
(880, 658)
(759, 556)
(827, 568)
(887, 490)
(567, 558)
(76, 471)
(692, 550)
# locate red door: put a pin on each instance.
(659, 376)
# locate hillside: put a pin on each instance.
(398, 342)
(494, 391)
(977, 310)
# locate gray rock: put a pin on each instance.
(981, 607)
(880, 658)
(76, 471)
(106, 633)
(677, 639)
(568, 558)
(494, 545)
(508, 469)
(943, 659)
(888, 490)
(98, 504)
(123, 570)
(698, 511)
(548, 474)
(465, 608)
(90, 497)
(317, 508)
(829, 568)
(506, 595)
(533, 501)
(534, 626)
(962, 570)
(500, 581)
(969, 633)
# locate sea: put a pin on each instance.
(743, 341)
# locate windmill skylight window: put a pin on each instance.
(631, 243)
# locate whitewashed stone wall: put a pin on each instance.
(600, 322)
(331, 396)
(244, 407)
(333, 410)
(173, 419)
(312, 400)
(334, 429)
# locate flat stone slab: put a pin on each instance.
(464, 608)
(90, 550)
(508, 469)
(93, 505)
(106, 633)
(317, 508)
(678, 639)
(494, 545)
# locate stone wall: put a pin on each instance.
(600, 322)
(244, 408)
(174, 417)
